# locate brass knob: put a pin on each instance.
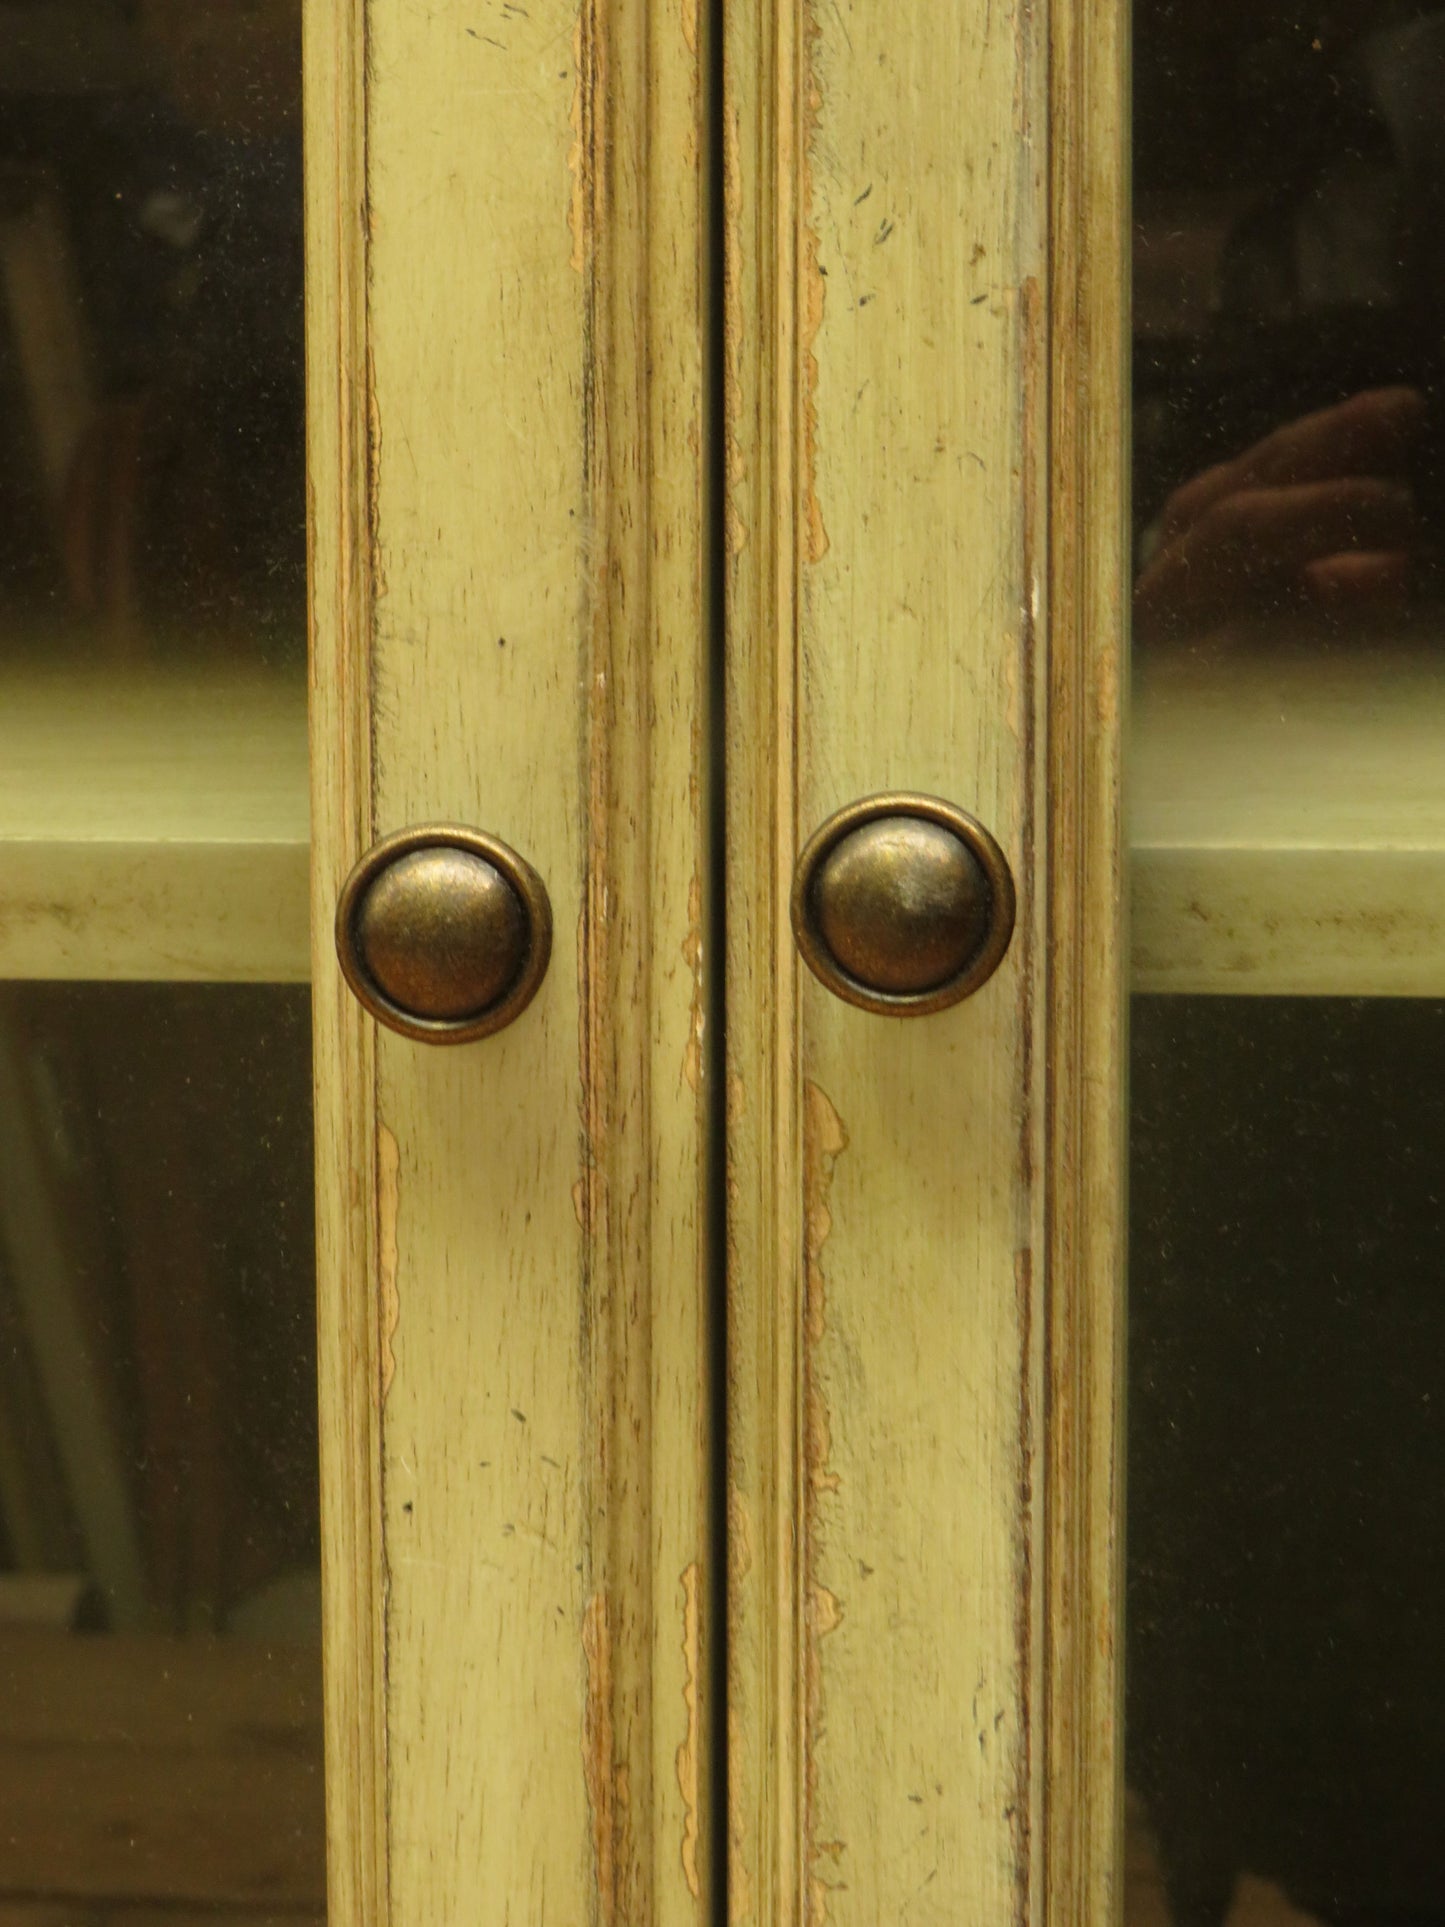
(902, 904)
(443, 933)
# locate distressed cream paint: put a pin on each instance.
(511, 300)
(924, 362)
(509, 506)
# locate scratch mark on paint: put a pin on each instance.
(734, 305)
(388, 1200)
(1022, 1806)
(597, 1761)
(688, 1752)
(740, 1882)
(694, 130)
(583, 158)
(1033, 494)
(373, 480)
(824, 1141)
(740, 1538)
(740, 1566)
(810, 300)
(697, 1020)
(608, 1789)
(588, 1193)
(577, 206)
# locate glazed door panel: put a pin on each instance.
(712, 420)
(1285, 1741)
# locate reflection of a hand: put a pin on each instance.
(1315, 515)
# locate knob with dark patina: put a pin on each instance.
(903, 904)
(444, 933)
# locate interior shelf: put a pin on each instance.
(154, 824)
(1287, 816)
(1288, 819)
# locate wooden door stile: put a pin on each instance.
(509, 470)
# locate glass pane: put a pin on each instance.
(1287, 1475)
(1286, 1643)
(150, 258)
(160, 1601)
(160, 1630)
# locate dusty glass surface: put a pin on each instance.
(1286, 1430)
(151, 481)
(1287, 1457)
(160, 1644)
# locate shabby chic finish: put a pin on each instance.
(512, 272)
(507, 306)
(924, 373)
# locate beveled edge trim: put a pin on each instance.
(971, 833)
(536, 908)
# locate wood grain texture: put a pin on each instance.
(518, 640)
(888, 608)
(765, 1742)
(1081, 1829)
(349, 1347)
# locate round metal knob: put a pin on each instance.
(902, 904)
(443, 933)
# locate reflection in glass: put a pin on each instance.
(160, 1736)
(151, 480)
(1286, 1644)
(160, 1672)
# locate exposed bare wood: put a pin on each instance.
(765, 1206)
(1082, 809)
(339, 475)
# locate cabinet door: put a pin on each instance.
(535, 458)
(925, 574)
(713, 421)
(930, 587)
(511, 610)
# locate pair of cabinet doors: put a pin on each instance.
(716, 416)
